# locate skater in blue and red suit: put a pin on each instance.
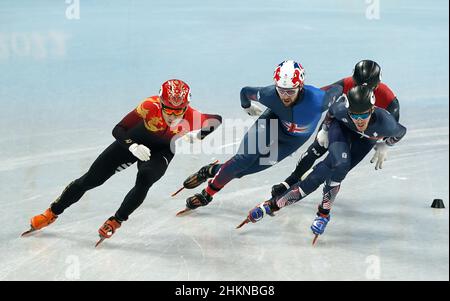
(352, 127)
(293, 112)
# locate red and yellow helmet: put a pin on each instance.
(175, 94)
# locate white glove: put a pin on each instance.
(253, 110)
(140, 151)
(322, 138)
(380, 155)
(191, 137)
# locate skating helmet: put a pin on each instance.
(289, 75)
(360, 99)
(175, 94)
(367, 73)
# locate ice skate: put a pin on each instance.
(108, 229)
(40, 221)
(196, 179)
(257, 213)
(198, 200)
(318, 226)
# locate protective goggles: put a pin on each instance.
(286, 91)
(176, 112)
(357, 116)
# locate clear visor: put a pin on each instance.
(287, 91)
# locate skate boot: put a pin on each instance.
(198, 200)
(205, 173)
(108, 229)
(319, 224)
(195, 201)
(40, 221)
(257, 213)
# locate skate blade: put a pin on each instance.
(100, 241)
(177, 192)
(28, 232)
(316, 237)
(183, 212)
(246, 221)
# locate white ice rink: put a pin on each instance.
(64, 84)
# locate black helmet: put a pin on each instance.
(367, 73)
(360, 99)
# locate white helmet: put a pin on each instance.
(289, 74)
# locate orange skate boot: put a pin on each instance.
(40, 221)
(108, 229)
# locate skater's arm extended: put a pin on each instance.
(200, 125)
(249, 94)
(397, 134)
(254, 94)
(120, 131)
(210, 124)
(338, 83)
(331, 95)
(390, 129)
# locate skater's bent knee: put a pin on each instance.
(244, 161)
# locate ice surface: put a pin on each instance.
(65, 83)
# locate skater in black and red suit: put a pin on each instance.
(145, 136)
